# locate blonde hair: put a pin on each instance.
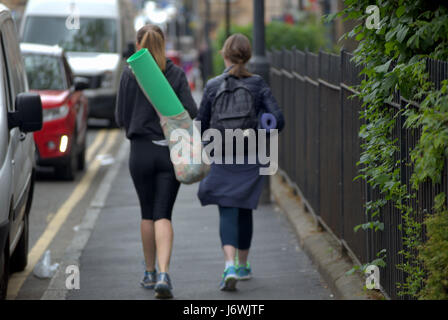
(238, 50)
(152, 38)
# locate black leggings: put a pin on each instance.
(236, 227)
(154, 179)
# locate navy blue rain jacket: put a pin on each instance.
(236, 185)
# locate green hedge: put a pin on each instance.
(435, 257)
(278, 35)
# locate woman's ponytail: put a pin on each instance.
(152, 38)
(239, 70)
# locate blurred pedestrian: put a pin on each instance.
(150, 164)
(203, 61)
(235, 188)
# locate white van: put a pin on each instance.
(97, 35)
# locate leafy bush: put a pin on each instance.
(394, 60)
(311, 36)
(435, 255)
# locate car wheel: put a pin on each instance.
(19, 258)
(4, 273)
(68, 170)
(82, 157)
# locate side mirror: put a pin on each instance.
(81, 83)
(129, 51)
(28, 116)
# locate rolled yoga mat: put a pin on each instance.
(268, 121)
(153, 82)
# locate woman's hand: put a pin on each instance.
(163, 120)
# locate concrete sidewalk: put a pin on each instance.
(111, 263)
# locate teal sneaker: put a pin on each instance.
(229, 280)
(244, 272)
(149, 280)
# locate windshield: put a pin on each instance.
(44, 72)
(94, 35)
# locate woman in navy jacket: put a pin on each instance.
(236, 188)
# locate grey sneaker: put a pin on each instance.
(149, 280)
(163, 286)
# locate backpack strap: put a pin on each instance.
(223, 86)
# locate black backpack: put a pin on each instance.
(233, 107)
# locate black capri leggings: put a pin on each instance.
(154, 179)
(236, 227)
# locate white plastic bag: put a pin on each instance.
(44, 269)
(185, 168)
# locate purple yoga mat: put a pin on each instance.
(268, 121)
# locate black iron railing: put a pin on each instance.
(320, 148)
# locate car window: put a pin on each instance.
(3, 89)
(6, 87)
(44, 72)
(68, 72)
(5, 101)
(4, 136)
(94, 35)
(13, 59)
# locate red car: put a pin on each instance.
(62, 141)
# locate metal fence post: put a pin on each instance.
(260, 65)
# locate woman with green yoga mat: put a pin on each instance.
(150, 165)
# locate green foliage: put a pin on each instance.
(435, 254)
(393, 60)
(305, 36)
(379, 262)
(311, 36)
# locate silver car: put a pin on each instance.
(20, 114)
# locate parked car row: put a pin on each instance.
(50, 84)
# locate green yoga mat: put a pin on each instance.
(153, 82)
